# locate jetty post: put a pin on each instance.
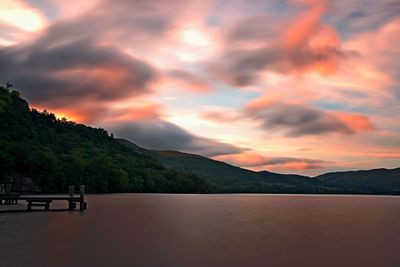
(71, 190)
(2, 192)
(8, 193)
(82, 203)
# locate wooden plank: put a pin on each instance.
(39, 204)
(45, 204)
(76, 199)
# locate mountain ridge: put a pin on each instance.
(256, 181)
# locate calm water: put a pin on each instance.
(208, 230)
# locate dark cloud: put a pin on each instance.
(162, 135)
(298, 120)
(241, 67)
(139, 21)
(56, 70)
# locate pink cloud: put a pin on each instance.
(255, 161)
(304, 44)
(221, 115)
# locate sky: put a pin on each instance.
(296, 86)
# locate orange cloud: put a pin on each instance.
(245, 159)
(357, 123)
(305, 25)
(308, 33)
(143, 112)
(294, 166)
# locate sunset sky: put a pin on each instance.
(297, 86)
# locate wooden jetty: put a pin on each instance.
(9, 198)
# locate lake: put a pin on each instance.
(208, 230)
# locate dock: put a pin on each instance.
(12, 198)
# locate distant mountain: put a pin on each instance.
(381, 181)
(231, 179)
(228, 178)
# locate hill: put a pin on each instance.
(378, 181)
(231, 179)
(53, 153)
(228, 178)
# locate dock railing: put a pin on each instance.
(6, 196)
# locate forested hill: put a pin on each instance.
(48, 153)
(228, 178)
(380, 181)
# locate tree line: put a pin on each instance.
(55, 153)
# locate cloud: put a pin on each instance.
(297, 120)
(147, 111)
(253, 160)
(362, 16)
(304, 44)
(21, 15)
(159, 134)
(249, 32)
(146, 20)
(187, 80)
(58, 70)
(222, 115)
